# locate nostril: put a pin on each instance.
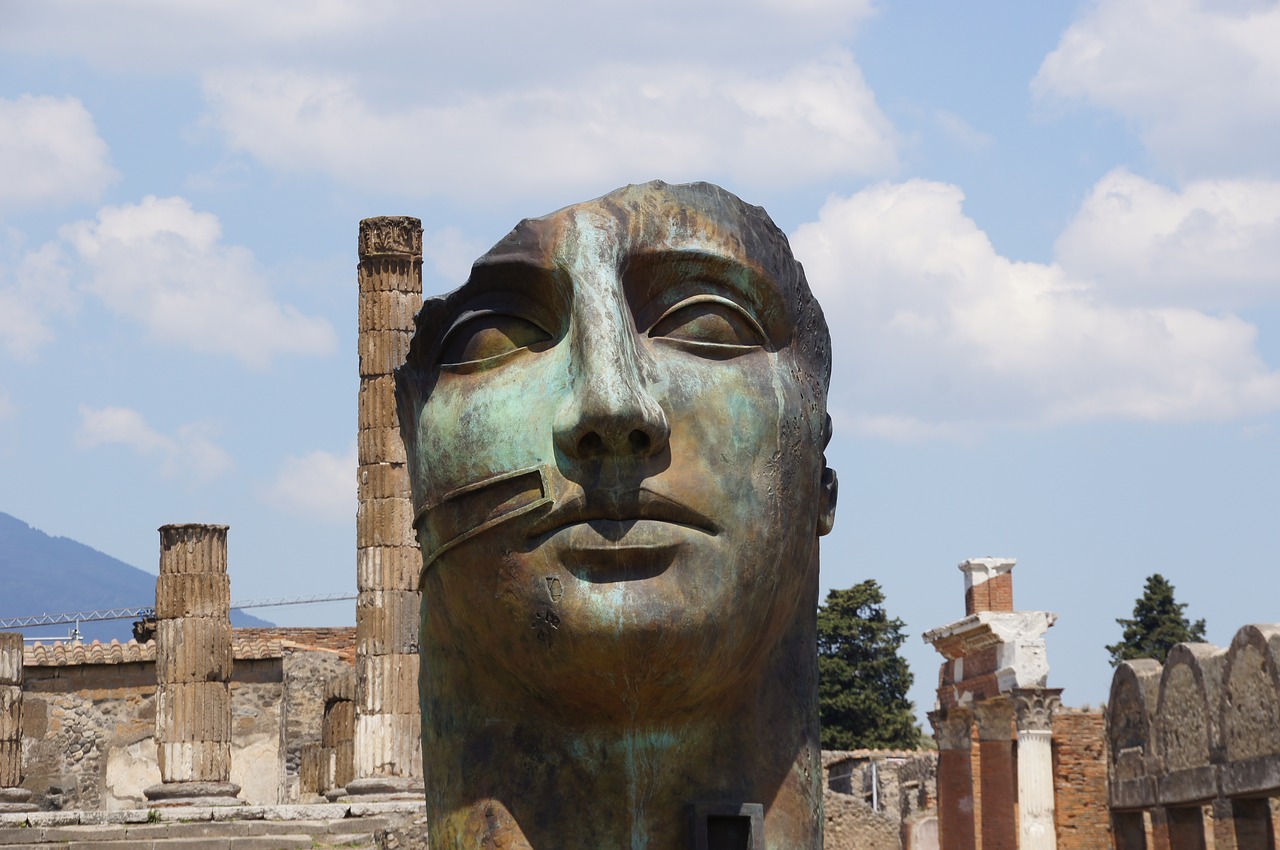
(590, 445)
(639, 441)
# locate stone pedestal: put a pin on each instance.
(193, 668)
(387, 739)
(1034, 709)
(12, 797)
(953, 732)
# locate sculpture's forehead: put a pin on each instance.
(655, 217)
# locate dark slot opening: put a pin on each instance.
(728, 832)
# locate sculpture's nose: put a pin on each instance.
(610, 409)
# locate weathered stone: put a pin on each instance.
(387, 623)
(388, 237)
(388, 568)
(385, 522)
(388, 311)
(10, 763)
(378, 445)
(194, 761)
(339, 723)
(193, 711)
(376, 407)
(387, 745)
(10, 712)
(382, 481)
(193, 649)
(341, 686)
(387, 684)
(193, 595)
(382, 351)
(10, 658)
(193, 548)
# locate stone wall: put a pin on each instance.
(873, 799)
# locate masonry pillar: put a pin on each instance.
(12, 797)
(1242, 824)
(1034, 708)
(193, 668)
(1186, 827)
(388, 726)
(952, 729)
(999, 789)
(1129, 831)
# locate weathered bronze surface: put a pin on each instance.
(615, 434)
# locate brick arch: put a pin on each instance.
(1135, 692)
(1188, 734)
(1250, 711)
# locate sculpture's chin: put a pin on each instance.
(597, 634)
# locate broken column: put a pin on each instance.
(12, 797)
(388, 746)
(193, 668)
(953, 730)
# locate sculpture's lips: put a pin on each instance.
(632, 518)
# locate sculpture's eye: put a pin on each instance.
(488, 336)
(711, 325)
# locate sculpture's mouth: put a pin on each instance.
(630, 519)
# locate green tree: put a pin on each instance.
(862, 681)
(1157, 626)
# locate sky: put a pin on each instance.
(1046, 237)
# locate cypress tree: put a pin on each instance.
(1157, 626)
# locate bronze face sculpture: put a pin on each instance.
(615, 432)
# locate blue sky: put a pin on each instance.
(1046, 236)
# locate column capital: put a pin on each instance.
(995, 719)
(391, 235)
(1035, 707)
(952, 728)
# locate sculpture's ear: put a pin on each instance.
(827, 501)
(830, 486)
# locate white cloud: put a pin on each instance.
(936, 333)
(1200, 79)
(189, 451)
(1213, 244)
(35, 286)
(319, 485)
(50, 152)
(617, 123)
(163, 264)
(961, 131)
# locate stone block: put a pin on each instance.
(193, 548)
(386, 684)
(344, 760)
(10, 712)
(388, 745)
(380, 445)
(385, 522)
(315, 770)
(340, 686)
(383, 481)
(193, 649)
(387, 622)
(10, 658)
(195, 761)
(193, 712)
(382, 351)
(387, 310)
(388, 568)
(193, 595)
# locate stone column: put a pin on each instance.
(388, 727)
(12, 797)
(1034, 709)
(995, 755)
(953, 731)
(193, 668)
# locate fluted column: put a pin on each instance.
(388, 728)
(953, 730)
(193, 668)
(12, 797)
(1034, 708)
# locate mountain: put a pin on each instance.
(40, 574)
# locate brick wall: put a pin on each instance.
(994, 594)
(1080, 780)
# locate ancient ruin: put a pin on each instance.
(615, 432)
(1195, 746)
(388, 754)
(13, 797)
